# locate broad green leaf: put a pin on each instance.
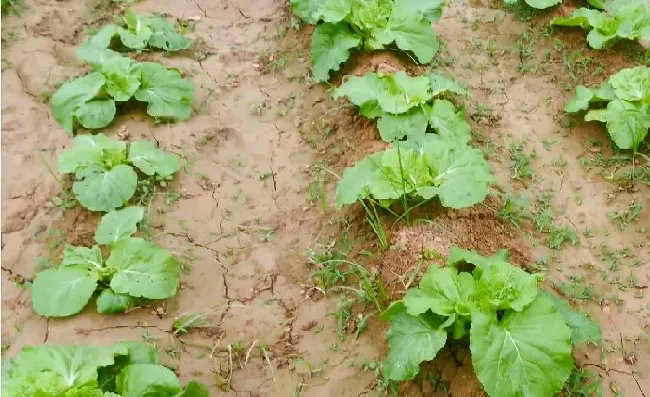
(583, 329)
(138, 31)
(627, 123)
(431, 9)
(394, 127)
(122, 78)
(143, 269)
(90, 258)
(582, 17)
(580, 101)
(194, 389)
(108, 302)
(95, 114)
(410, 32)
(527, 353)
(370, 15)
(63, 291)
(360, 90)
(138, 353)
(399, 172)
(399, 92)
(118, 224)
(443, 291)
(605, 93)
(100, 190)
(503, 286)
(50, 370)
(96, 56)
(152, 160)
(354, 184)
(462, 174)
(169, 95)
(103, 38)
(147, 380)
(542, 4)
(412, 340)
(305, 9)
(449, 123)
(330, 47)
(165, 35)
(597, 115)
(441, 84)
(333, 11)
(89, 150)
(632, 84)
(72, 95)
(458, 255)
(597, 40)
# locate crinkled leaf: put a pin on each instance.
(627, 123)
(138, 31)
(152, 160)
(165, 35)
(443, 291)
(632, 84)
(122, 77)
(399, 172)
(449, 123)
(503, 286)
(370, 15)
(394, 127)
(143, 269)
(90, 258)
(108, 302)
(441, 84)
(583, 329)
(169, 95)
(527, 353)
(95, 114)
(89, 150)
(580, 101)
(72, 95)
(147, 380)
(63, 291)
(410, 32)
(333, 11)
(330, 47)
(305, 9)
(99, 189)
(118, 224)
(412, 340)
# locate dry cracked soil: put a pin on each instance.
(255, 194)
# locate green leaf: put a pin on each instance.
(542, 4)
(165, 36)
(50, 370)
(108, 302)
(360, 90)
(441, 84)
(138, 31)
(305, 9)
(412, 340)
(63, 291)
(458, 255)
(632, 84)
(330, 47)
(443, 291)
(90, 258)
(449, 123)
(147, 380)
(143, 269)
(582, 17)
(333, 11)
(194, 389)
(410, 32)
(169, 95)
(431, 9)
(462, 174)
(583, 329)
(90, 150)
(503, 286)
(399, 172)
(122, 78)
(370, 15)
(394, 127)
(102, 39)
(95, 114)
(354, 184)
(152, 160)
(72, 95)
(99, 189)
(580, 101)
(118, 224)
(627, 123)
(510, 357)
(96, 56)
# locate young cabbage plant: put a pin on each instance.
(135, 269)
(622, 103)
(344, 25)
(508, 321)
(105, 171)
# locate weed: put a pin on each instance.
(560, 235)
(521, 168)
(626, 216)
(582, 383)
(186, 322)
(514, 207)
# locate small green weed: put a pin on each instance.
(521, 167)
(626, 216)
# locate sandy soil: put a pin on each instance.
(246, 214)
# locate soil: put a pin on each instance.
(254, 151)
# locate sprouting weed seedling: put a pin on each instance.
(514, 207)
(560, 235)
(521, 167)
(626, 216)
(186, 322)
(583, 383)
